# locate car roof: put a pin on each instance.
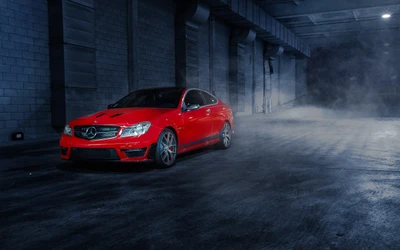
(162, 88)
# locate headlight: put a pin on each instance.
(67, 130)
(136, 130)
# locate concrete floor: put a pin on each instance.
(300, 180)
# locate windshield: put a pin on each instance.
(151, 98)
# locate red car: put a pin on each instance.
(150, 124)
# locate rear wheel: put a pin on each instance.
(166, 150)
(225, 136)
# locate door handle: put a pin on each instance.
(208, 111)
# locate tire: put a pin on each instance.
(225, 136)
(166, 150)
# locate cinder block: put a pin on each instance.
(7, 45)
(28, 55)
(3, 3)
(10, 92)
(17, 69)
(29, 100)
(4, 116)
(5, 68)
(11, 124)
(17, 116)
(7, 12)
(22, 78)
(26, 9)
(6, 60)
(9, 77)
(39, 57)
(29, 71)
(17, 101)
(23, 108)
(21, 31)
(13, 6)
(7, 28)
(29, 85)
(16, 53)
(17, 85)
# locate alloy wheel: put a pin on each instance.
(226, 135)
(168, 148)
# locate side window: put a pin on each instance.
(209, 98)
(194, 97)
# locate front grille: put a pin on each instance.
(95, 132)
(93, 154)
(137, 152)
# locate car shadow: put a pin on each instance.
(106, 167)
(124, 168)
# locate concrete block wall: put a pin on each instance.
(156, 43)
(24, 70)
(111, 51)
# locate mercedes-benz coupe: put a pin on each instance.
(150, 124)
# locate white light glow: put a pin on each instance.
(386, 15)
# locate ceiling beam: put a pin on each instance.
(272, 2)
(389, 38)
(347, 34)
(394, 22)
(244, 13)
(310, 7)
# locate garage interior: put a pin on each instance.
(314, 87)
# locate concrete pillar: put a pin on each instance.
(212, 42)
(239, 40)
(194, 14)
(271, 53)
(72, 59)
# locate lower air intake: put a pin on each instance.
(93, 154)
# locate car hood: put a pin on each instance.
(121, 116)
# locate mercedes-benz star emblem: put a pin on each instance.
(91, 132)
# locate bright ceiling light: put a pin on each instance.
(386, 15)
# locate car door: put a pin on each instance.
(213, 113)
(196, 123)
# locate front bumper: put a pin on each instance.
(116, 149)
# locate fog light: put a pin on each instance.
(135, 152)
(64, 151)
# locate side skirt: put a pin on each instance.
(210, 138)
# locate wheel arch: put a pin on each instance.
(173, 130)
(226, 120)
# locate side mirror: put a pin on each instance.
(193, 107)
(110, 106)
